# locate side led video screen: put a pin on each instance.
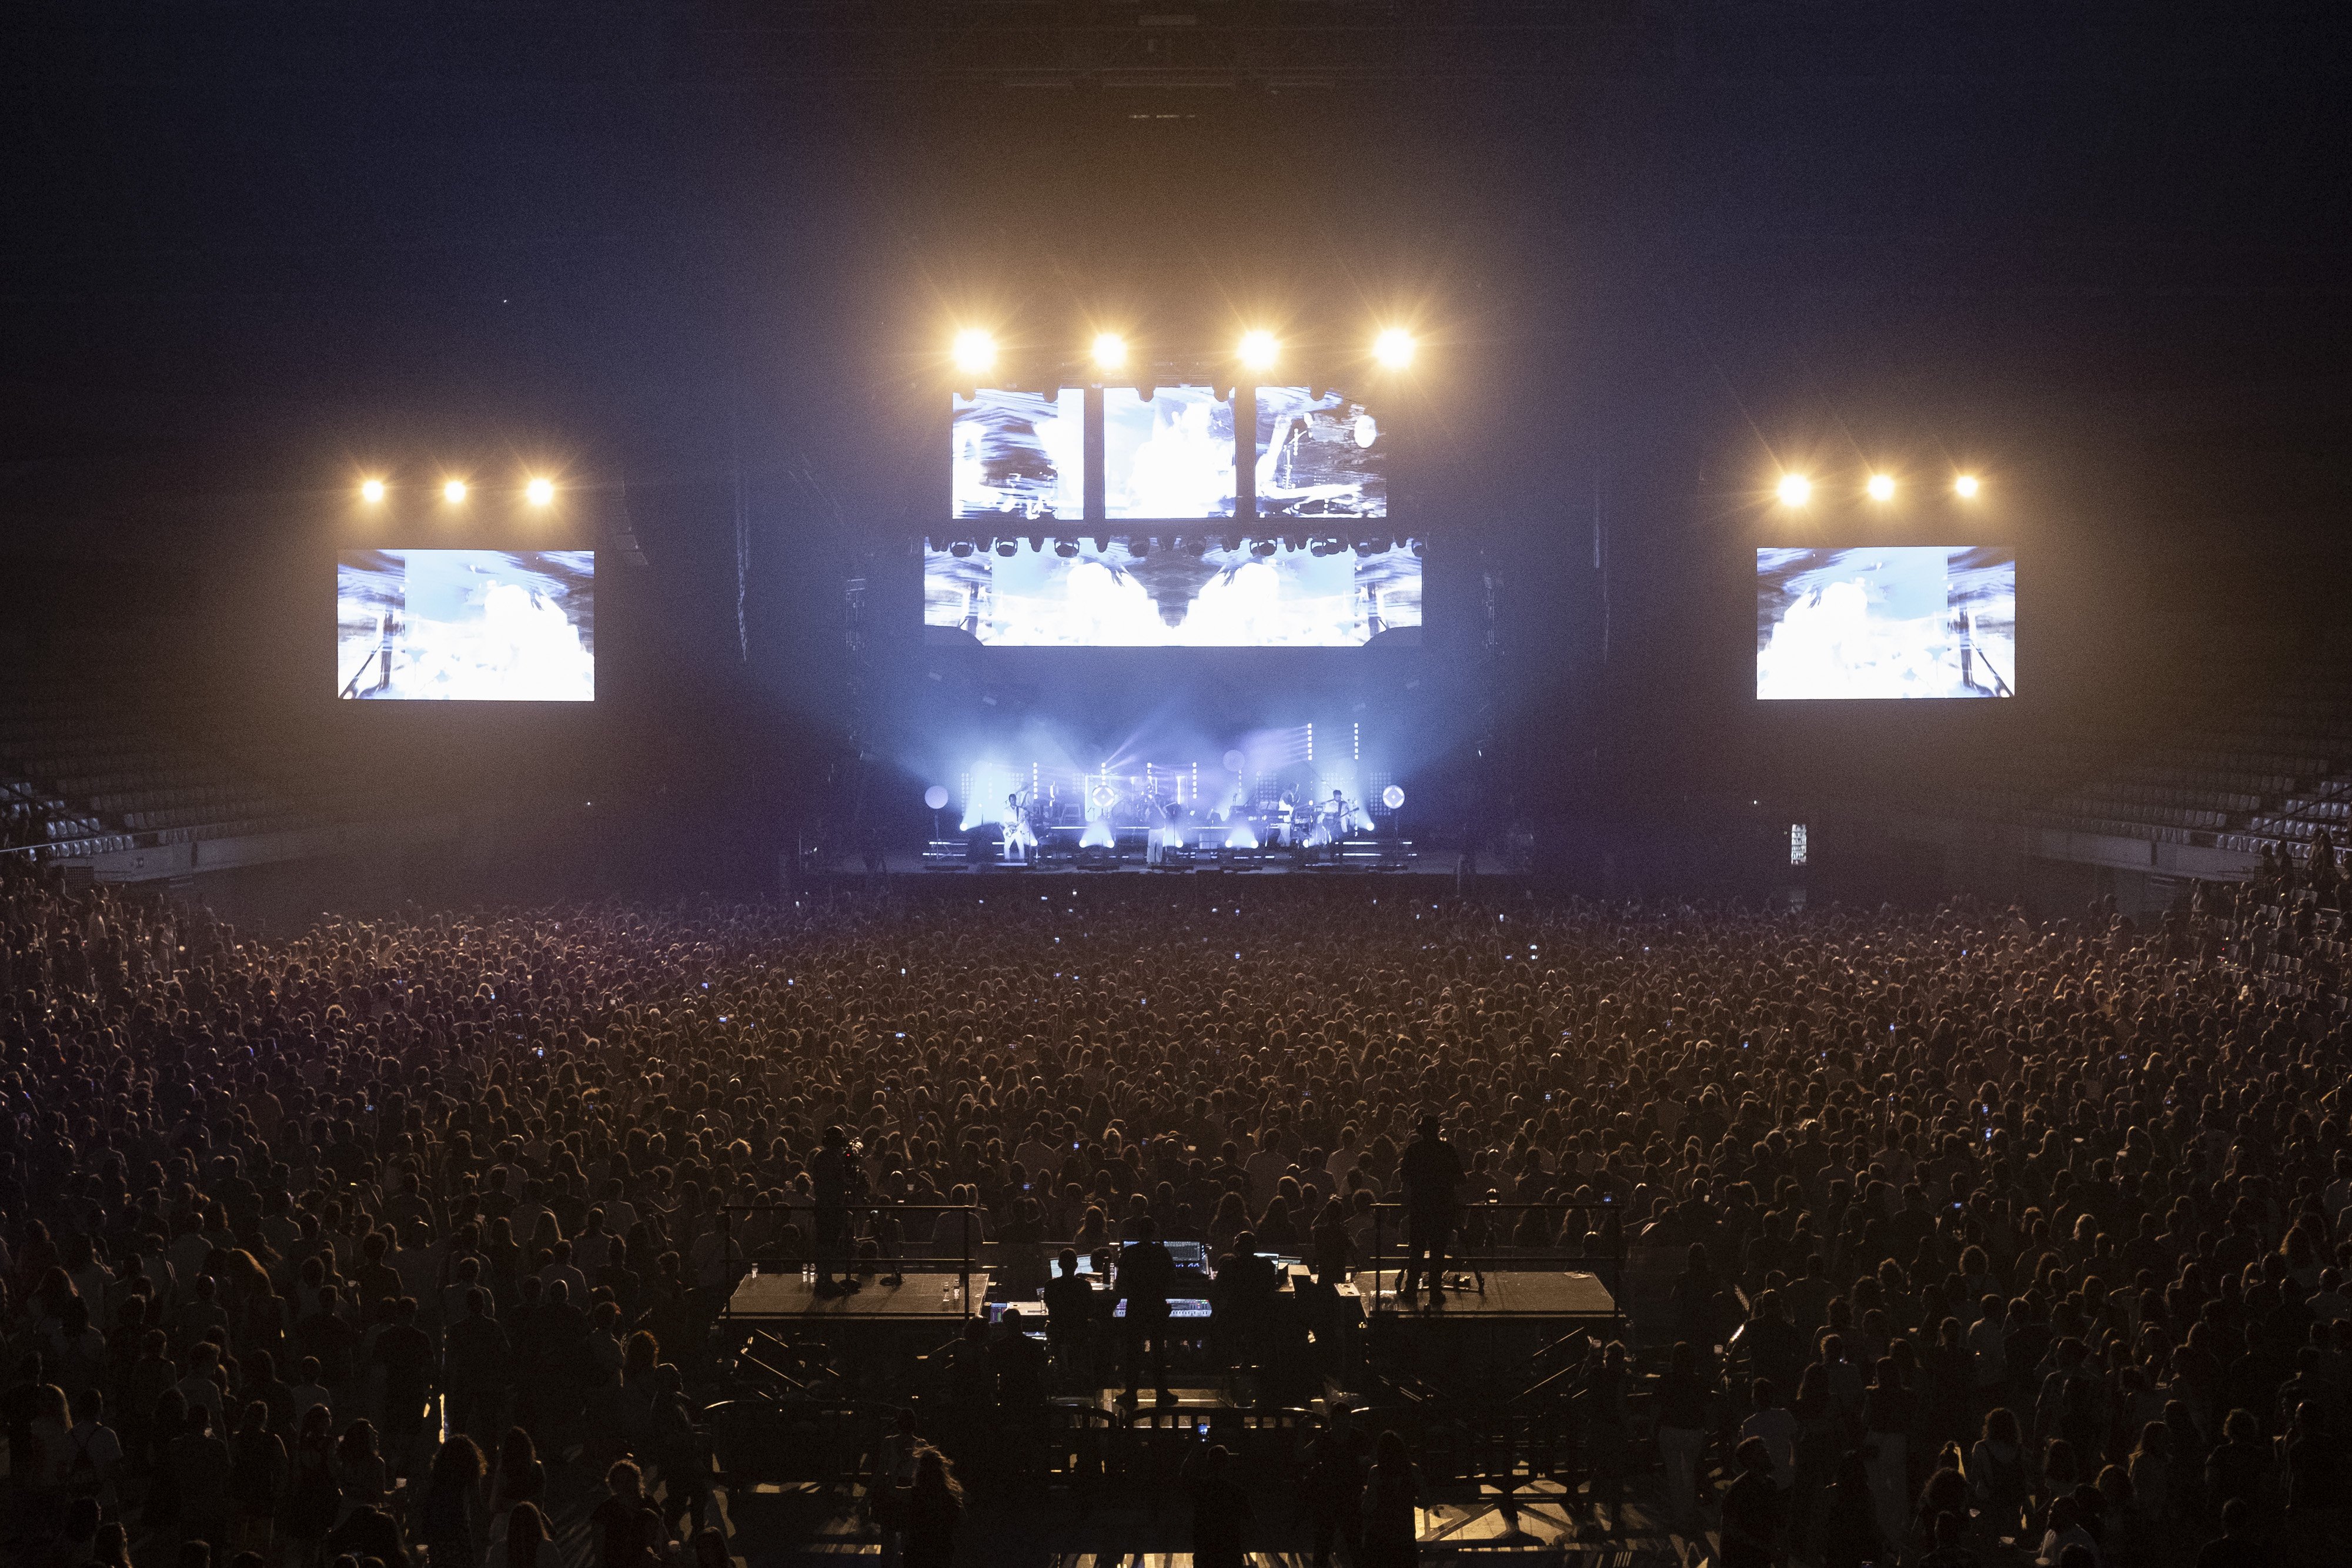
(1318, 457)
(1218, 592)
(1167, 457)
(1018, 454)
(1910, 621)
(466, 625)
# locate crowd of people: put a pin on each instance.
(366, 1241)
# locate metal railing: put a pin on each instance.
(974, 1222)
(1613, 1261)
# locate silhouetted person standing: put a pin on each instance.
(1429, 1171)
(1146, 1272)
(833, 1173)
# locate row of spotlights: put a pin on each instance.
(974, 351)
(538, 492)
(1796, 489)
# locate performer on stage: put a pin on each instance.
(1330, 821)
(1285, 813)
(1019, 836)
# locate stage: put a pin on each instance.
(786, 1300)
(984, 851)
(1529, 1296)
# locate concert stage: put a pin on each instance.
(1057, 854)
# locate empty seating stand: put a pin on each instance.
(105, 779)
(2275, 766)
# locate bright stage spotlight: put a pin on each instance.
(454, 491)
(975, 350)
(935, 796)
(371, 491)
(541, 492)
(1881, 487)
(1111, 350)
(1392, 798)
(1965, 487)
(1259, 351)
(1795, 489)
(1393, 348)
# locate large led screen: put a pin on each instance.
(466, 625)
(1171, 456)
(1318, 457)
(1223, 593)
(1019, 455)
(1887, 621)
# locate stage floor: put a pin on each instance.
(1519, 1296)
(770, 1297)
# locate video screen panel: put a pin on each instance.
(1887, 621)
(1018, 454)
(1220, 594)
(1169, 458)
(466, 625)
(1318, 457)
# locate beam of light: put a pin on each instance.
(1881, 487)
(1111, 350)
(1795, 489)
(975, 350)
(1393, 348)
(371, 491)
(1242, 838)
(454, 491)
(1966, 487)
(541, 492)
(1259, 350)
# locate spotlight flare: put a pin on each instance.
(975, 350)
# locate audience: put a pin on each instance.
(2051, 1219)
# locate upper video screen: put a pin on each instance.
(466, 625)
(1169, 458)
(1924, 620)
(1318, 457)
(1019, 455)
(1130, 595)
